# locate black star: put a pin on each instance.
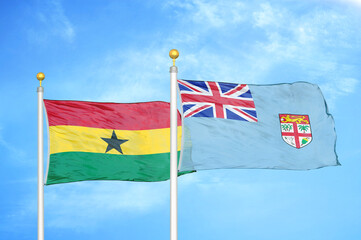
(114, 142)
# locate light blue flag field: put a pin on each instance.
(281, 126)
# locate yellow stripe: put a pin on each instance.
(85, 139)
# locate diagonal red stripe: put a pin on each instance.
(197, 110)
(238, 88)
(189, 86)
(248, 115)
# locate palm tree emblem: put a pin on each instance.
(287, 127)
(303, 128)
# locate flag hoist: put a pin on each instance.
(40, 76)
(173, 148)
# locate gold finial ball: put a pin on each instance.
(173, 53)
(40, 76)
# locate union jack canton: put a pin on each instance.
(217, 100)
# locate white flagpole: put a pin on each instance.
(40, 76)
(173, 148)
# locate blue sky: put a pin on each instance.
(118, 51)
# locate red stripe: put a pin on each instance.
(189, 86)
(248, 115)
(240, 87)
(218, 99)
(197, 110)
(121, 116)
(296, 134)
(223, 100)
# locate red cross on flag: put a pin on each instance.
(296, 129)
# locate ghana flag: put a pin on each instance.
(108, 141)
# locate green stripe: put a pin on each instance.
(81, 166)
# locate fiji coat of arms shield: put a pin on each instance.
(296, 129)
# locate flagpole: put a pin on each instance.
(173, 148)
(40, 76)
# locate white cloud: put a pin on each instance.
(123, 75)
(226, 186)
(267, 16)
(305, 41)
(135, 76)
(356, 3)
(312, 42)
(348, 85)
(335, 88)
(53, 22)
(13, 151)
(80, 205)
(210, 13)
(84, 205)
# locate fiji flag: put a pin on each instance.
(282, 126)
